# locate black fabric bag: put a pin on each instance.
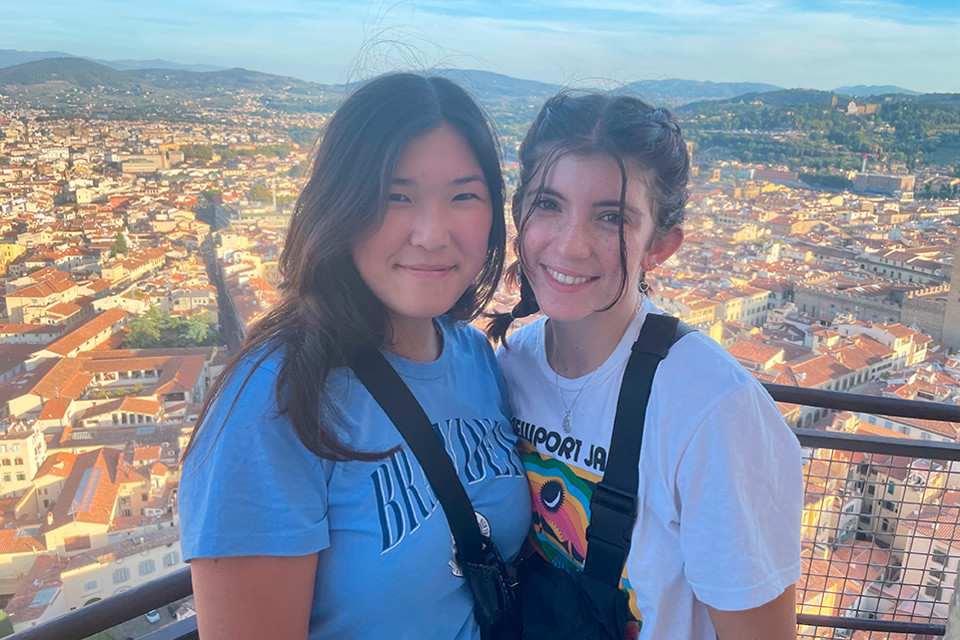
(590, 605)
(493, 585)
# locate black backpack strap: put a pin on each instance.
(613, 509)
(396, 400)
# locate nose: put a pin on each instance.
(431, 226)
(572, 237)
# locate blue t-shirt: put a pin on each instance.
(252, 488)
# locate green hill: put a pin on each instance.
(76, 71)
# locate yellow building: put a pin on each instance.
(9, 253)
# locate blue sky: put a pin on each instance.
(816, 43)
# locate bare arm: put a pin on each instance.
(775, 620)
(254, 597)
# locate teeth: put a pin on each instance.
(564, 279)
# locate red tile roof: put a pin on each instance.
(19, 541)
(76, 338)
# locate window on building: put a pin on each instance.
(90, 586)
(15, 448)
(76, 543)
(935, 591)
(864, 468)
(871, 489)
(939, 556)
(3, 448)
(18, 461)
(21, 476)
(890, 506)
(171, 559)
(147, 567)
(6, 477)
(936, 574)
(121, 575)
(891, 487)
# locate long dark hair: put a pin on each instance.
(326, 313)
(624, 127)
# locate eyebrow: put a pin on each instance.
(407, 182)
(616, 203)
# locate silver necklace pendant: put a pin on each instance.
(567, 424)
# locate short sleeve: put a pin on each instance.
(248, 485)
(740, 488)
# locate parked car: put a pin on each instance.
(152, 616)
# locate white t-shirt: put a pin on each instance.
(721, 489)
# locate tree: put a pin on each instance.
(156, 329)
(260, 193)
(6, 625)
(119, 245)
(195, 332)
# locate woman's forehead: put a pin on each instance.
(596, 177)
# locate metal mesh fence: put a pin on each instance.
(881, 540)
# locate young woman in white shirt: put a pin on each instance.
(715, 550)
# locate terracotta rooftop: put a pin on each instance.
(90, 493)
(38, 589)
(57, 464)
(753, 351)
(20, 540)
(124, 548)
(82, 334)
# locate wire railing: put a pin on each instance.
(881, 535)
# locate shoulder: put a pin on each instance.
(245, 411)
(699, 369)
(703, 395)
(522, 346)
(463, 337)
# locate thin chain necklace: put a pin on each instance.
(567, 422)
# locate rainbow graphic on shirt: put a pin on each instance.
(560, 496)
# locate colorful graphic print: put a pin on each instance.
(560, 497)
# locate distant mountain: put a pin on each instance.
(10, 57)
(487, 84)
(676, 91)
(156, 63)
(783, 97)
(76, 71)
(865, 91)
(228, 80)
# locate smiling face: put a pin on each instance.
(571, 239)
(433, 239)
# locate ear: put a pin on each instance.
(662, 247)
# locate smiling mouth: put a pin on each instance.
(427, 271)
(565, 279)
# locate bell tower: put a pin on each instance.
(951, 319)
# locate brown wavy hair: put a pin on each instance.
(326, 313)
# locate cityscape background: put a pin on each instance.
(143, 204)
